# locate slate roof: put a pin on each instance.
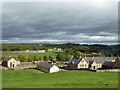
(76, 61)
(7, 59)
(109, 58)
(108, 63)
(90, 62)
(96, 59)
(46, 65)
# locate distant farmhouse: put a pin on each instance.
(34, 51)
(10, 62)
(54, 50)
(46, 67)
(93, 63)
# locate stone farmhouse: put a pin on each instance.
(92, 63)
(47, 67)
(54, 50)
(10, 62)
(34, 51)
(78, 63)
(95, 62)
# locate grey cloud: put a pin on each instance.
(48, 21)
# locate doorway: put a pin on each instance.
(93, 67)
(13, 65)
(10, 64)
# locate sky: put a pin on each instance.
(93, 22)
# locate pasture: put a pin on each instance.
(15, 53)
(31, 78)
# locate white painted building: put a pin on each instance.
(46, 67)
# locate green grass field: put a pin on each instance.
(30, 78)
(15, 53)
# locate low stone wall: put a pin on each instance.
(24, 67)
(3, 68)
(108, 70)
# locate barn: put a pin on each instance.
(47, 67)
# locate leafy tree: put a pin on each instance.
(50, 58)
(21, 58)
(45, 58)
(36, 58)
(30, 58)
(3, 57)
(60, 57)
(76, 54)
(68, 57)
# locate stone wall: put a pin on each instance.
(108, 70)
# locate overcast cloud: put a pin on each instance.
(60, 22)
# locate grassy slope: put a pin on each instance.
(30, 78)
(15, 53)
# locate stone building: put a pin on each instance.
(94, 63)
(47, 67)
(112, 63)
(10, 62)
(78, 63)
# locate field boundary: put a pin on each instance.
(108, 70)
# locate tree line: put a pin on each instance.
(107, 50)
(58, 57)
(31, 58)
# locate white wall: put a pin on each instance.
(83, 64)
(54, 69)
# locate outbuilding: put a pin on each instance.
(47, 67)
(10, 62)
(113, 63)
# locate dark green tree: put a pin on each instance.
(21, 58)
(50, 58)
(45, 58)
(76, 54)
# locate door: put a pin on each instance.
(10, 64)
(13, 65)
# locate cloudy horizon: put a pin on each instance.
(60, 22)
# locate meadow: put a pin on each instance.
(15, 53)
(31, 78)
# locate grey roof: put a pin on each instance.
(75, 61)
(7, 59)
(109, 58)
(108, 63)
(96, 59)
(46, 65)
(90, 62)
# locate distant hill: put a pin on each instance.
(108, 50)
